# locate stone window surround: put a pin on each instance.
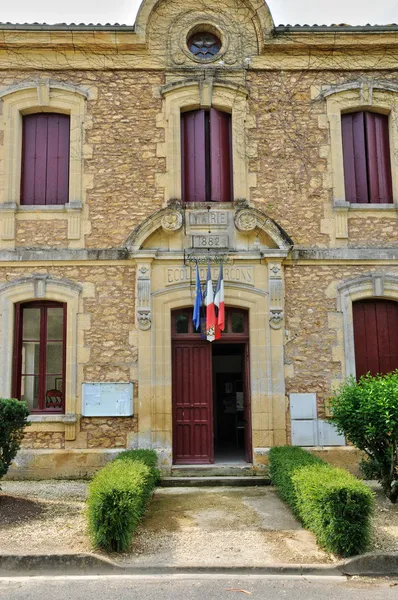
(362, 94)
(373, 285)
(192, 94)
(45, 288)
(32, 97)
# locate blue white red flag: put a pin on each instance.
(219, 300)
(210, 308)
(198, 300)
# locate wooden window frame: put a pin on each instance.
(225, 336)
(24, 199)
(361, 173)
(17, 355)
(207, 162)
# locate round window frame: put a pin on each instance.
(205, 27)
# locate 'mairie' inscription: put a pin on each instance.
(211, 217)
(210, 241)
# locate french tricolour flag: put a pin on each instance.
(198, 300)
(219, 300)
(210, 308)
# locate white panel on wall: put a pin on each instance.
(328, 436)
(304, 433)
(303, 406)
(107, 399)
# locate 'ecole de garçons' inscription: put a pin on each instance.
(232, 274)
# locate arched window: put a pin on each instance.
(375, 336)
(45, 159)
(366, 154)
(40, 355)
(206, 156)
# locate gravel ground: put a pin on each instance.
(198, 526)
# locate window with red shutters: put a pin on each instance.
(366, 154)
(39, 355)
(45, 159)
(206, 156)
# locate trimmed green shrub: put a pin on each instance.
(331, 502)
(283, 461)
(146, 456)
(13, 420)
(366, 412)
(117, 498)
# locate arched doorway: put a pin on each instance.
(211, 391)
(375, 336)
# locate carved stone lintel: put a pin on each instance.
(276, 318)
(171, 221)
(144, 318)
(245, 221)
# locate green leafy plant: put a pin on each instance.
(146, 456)
(117, 498)
(330, 502)
(366, 412)
(13, 420)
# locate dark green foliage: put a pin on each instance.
(283, 461)
(117, 499)
(13, 420)
(336, 506)
(366, 412)
(330, 502)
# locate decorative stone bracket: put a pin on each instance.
(275, 282)
(144, 319)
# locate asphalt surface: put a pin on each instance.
(204, 587)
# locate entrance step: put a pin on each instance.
(239, 469)
(214, 481)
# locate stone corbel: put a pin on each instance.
(7, 212)
(341, 219)
(275, 282)
(74, 211)
(70, 427)
(144, 318)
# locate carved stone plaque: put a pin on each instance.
(212, 217)
(210, 241)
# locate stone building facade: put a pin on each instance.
(119, 255)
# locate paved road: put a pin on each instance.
(211, 587)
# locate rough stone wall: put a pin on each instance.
(43, 234)
(286, 142)
(43, 440)
(108, 432)
(373, 232)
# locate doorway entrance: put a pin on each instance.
(211, 391)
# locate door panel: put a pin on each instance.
(192, 403)
(248, 410)
(375, 336)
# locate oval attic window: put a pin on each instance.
(204, 44)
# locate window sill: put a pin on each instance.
(44, 418)
(382, 207)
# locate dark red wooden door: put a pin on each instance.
(192, 403)
(247, 405)
(375, 336)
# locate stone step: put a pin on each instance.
(216, 470)
(214, 481)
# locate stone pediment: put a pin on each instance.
(220, 228)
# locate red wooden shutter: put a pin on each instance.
(354, 155)
(45, 159)
(193, 159)
(378, 158)
(375, 336)
(220, 156)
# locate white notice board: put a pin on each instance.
(108, 399)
